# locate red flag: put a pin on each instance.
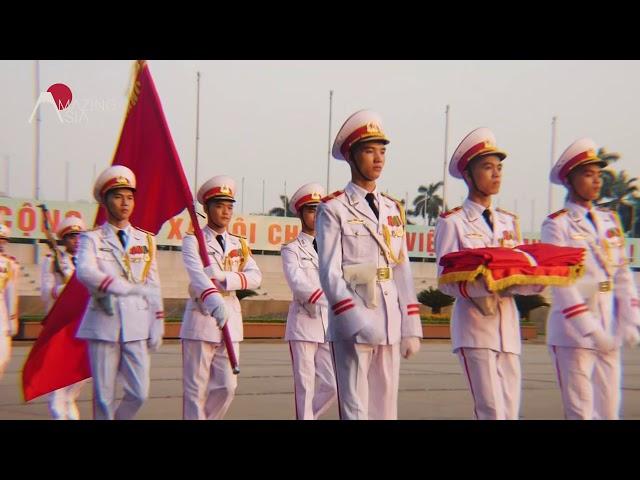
(532, 264)
(57, 358)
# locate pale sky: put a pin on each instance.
(269, 120)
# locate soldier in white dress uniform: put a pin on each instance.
(62, 402)
(591, 319)
(485, 326)
(366, 277)
(124, 318)
(313, 375)
(209, 384)
(9, 269)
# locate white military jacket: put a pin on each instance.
(605, 297)
(344, 226)
(109, 271)
(464, 227)
(51, 281)
(307, 319)
(241, 272)
(8, 295)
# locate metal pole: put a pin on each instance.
(37, 132)
(242, 204)
(446, 157)
(533, 215)
(66, 182)
(286, 200)
(7, 160)
(329, 142)
(195, 185)
(552, 160)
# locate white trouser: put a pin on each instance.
(5, 352)
(494, 380)
(314, 381)
(129, 361)
(62, 402)
(208, 382)
(589, 382)
(367, 378)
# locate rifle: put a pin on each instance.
(51, 241)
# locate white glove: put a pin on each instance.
(219, 276)
(143, 291)
(409, 346)
(220, 314)
(194, 296)
(154, 342)
(488, 305)
(521, 290)
(106, 303)
(67, 272)
(311, 309)
(152, 294)
(58, 290)
(13, 326)
(211, 302)
(508, 292)
(369, 335)
(630, 335)
(603, 341)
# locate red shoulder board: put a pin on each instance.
(506, 212)
(557, 214)
(142, 230)
(450, 212)
(333, 195)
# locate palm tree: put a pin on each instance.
(608, 157)
(618, 193)
(427, 203)
(635, 209)
(282, 211)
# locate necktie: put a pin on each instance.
(315, 245)
(220, 239)
(487, 218)
(590, 218)
(122, 235)
(74, 260)
(370, 200)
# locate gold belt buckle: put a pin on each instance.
(605, 286)
(383, 273)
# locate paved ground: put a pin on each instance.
(431, 385)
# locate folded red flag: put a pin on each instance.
(532, 264)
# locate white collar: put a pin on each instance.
(361, 192)
(475, 210)
(578, 209)
(115, 229)
(306, 237)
